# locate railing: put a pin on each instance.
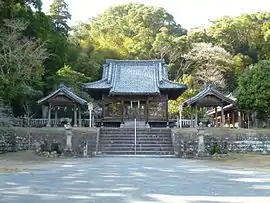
(187, 123)
(42, 122)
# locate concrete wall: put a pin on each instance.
(47, 139)
(190, 143)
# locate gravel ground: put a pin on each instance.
(135, 180)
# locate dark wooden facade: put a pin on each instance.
(144, 108)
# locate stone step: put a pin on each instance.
(151, 130)
(105, 149)
(137, 153)
(143, 137)
(149, 141)
(169, 144)
(137, 134)
(141, 141)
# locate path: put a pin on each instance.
(135, 180)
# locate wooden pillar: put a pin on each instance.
(167, 112)
(196, 115)
(147, 110)
(216, 119)
(80, 117)
(239, 119)
(55, 115)
(233, 118)
(122, 111)
(222, 116)
(103, 110)
(75, 116)
(49, 115)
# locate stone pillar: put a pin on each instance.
(49, 115)
(75, 116)
(201, 147)
(68, 133)
(80, 116)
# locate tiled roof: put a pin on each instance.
(209, 91)
(122, 77)
(67, 91)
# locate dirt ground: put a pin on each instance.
(27, 160)
(244, 161)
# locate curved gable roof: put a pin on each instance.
(212, 92)
(122, 77)
(67, 92)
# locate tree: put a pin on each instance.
(253, 90)
(72, 78)
(193, 89)
(21, 63)
(242, 34)
(60, 15)
(129, 30)
(209, 64)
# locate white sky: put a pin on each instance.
(188, 13)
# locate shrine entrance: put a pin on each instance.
(135, 109)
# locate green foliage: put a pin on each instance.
(60, 15)
(33, 47)
(253, 91)
(73, 79)
(209, 64)
(21, 62)
(193, 89)
(128, 30)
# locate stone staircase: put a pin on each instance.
(149, 141)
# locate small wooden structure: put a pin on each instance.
(132, 89)
(210, 97)
(63, 96)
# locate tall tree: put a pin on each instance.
(129, 30)
(21, 63)
(209, 64)
(253, 91)
(60, 16)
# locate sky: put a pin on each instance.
(188, 13)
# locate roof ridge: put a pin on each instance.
(134, 60)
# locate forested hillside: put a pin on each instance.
(39, 50)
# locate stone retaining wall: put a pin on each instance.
(205, 142)
(48, 140)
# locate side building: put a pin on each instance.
(132, 89)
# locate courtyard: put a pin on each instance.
(135, 180)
